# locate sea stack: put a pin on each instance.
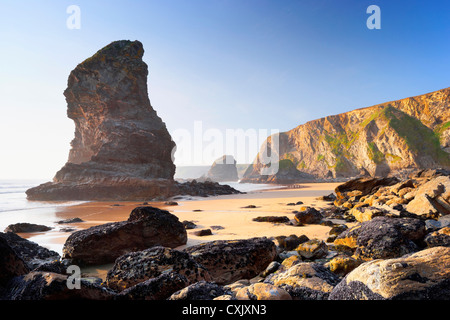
(223, 169)
(122, 149)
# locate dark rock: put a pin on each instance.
(308, 216)
(272, 219)
(202, 189)
(146, 227)
(72, 220)
(202, 233)
(383, 237)
(291, 242)
(201, 290)
(159, 288)
(338, 229)
(171, 203)
(136, 267)
(25, 227)
(33, 254)
(250, 206)
(330, 197)
(11, 264)
(55, 266)
(439, 238)
(189, 224)
(228, 261)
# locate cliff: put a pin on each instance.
(412, 133)
(121, 149)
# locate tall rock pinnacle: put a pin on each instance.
(117, 132)
(121, 145)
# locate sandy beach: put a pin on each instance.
(226, 211)
(225, 215)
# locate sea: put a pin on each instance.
(15, 208)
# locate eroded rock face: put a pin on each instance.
(121, 146)
(418, 276)
(117, 132)
(145, 228)
(374, 141)
(231, 260)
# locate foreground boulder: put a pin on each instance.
(136, 267)
(231, 260)
(420, 276)
(159, 288)
(146, 227)
(383, 237)
(32, 254)
(11, 265)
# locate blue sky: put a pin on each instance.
(238, 64)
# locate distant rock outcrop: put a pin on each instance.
(223, 169)
(412, 133)
(122, 149)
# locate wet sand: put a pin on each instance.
(225, 215)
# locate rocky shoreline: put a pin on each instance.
(389, 239)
